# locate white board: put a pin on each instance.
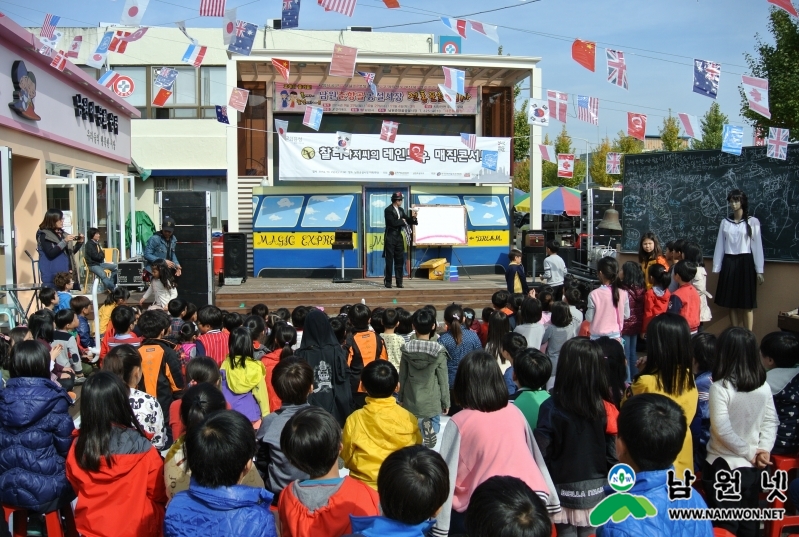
(440, 225)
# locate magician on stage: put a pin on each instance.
(397, 222)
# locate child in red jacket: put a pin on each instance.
(656, 299)
(685, 300)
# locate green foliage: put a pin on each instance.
(779, 64)
(670, 134)
(711, 124)
(521, 133)
(549, 170)
(627, 145)
(597, 165)
(521, 175)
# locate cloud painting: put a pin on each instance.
(285, 202)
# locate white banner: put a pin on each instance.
(314, 157)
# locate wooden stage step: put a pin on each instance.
(290, 293)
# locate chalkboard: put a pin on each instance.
(683, 194)
(440, 225)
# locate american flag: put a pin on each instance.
(49, 26)
(613, 163)
(212, 8)
(345, 7)
(588, 109)
(777, 143)
(469, 140)
(617, 68)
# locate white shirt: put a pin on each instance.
(554, 270)
(733, 240)
(161, 294)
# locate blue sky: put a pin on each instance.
(659, 37)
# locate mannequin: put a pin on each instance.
(739, 260)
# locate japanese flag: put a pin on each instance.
(229, 25)
(133, 12)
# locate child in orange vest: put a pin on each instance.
(365, 347)
(685, 300)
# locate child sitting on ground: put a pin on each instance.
(49, 298)
(115, 298)
(392, 341)
(123, 319)
(66, 320)
(219, 452)
(176, 309)
(531, 371)
(82, 306)
(512, 343)
(321, 505)
(200, 370)
(504, 506)
(63, 284)
(424, 384)
(378, 429)
(211, 342)
(244, 378)
(413, 483)
(292, 380)
(365, 347)
(779, 352)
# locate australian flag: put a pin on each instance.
(243, 38)
(221, 114)
(706, 78)
(291, 14)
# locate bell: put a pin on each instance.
(610, 220)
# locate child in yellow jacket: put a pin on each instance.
(243, 378)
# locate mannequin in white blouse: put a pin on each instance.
(734, 239)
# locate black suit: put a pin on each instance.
(393, 241)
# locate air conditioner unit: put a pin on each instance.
(359, 28)
(274, 24)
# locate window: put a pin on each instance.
(139, 76)
(183, 101)
(213, 86)
(170, 183)
(57, 170)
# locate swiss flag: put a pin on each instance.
(636, 125)
(565, 165)
(416, 153)
(584, 53)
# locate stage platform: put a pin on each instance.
(291, 292)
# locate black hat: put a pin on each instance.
(168, 224)
(396, 196)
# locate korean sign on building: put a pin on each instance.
(392, 100)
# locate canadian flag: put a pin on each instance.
(558, 102)
(565, 165)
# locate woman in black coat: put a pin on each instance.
(52, 243)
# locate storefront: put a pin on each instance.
(65, 142)
(316, 188)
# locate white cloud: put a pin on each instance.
(312, 218)
(469, 208)
(310, 210)
(426, 199)
(319, 198)
(469, 199)
(488, 215)
(502, 221)
(332, 217)
(297, 210)
(378, 203)
(274, 217)
(491, 203)
(285, 202)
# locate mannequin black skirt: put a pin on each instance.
(737, 288)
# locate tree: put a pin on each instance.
(521, 175)
(670, 134)
(521, 129)
(626, 145)
(779, 64)
(711, 124)
(597, 167)
(549, 170)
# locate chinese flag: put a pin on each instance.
(161, 97)
(584, 53)
(283, 67)
(391, 4)
(636, 125)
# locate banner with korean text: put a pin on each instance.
(338, 99)
(316, 157)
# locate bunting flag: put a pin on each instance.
(391, 4)
(290, 17)
(777, 146)
(345, 7)
(118, 44)
(48, 51)
(108, 78)
(690, 125)
(74, 48)
(538, 113)
(455, 79)
(388, 131)
(584, 53)
(558, 104)
(161, 97)
(548, 153)
(238, 99)
(416, 152)
(133, 12)
(785, 5)
(130, 37)
(732, 139)
(49, 26)
(370, 80)
(244, 38)
(343, 140)
(488, 30)
(281, 128)
(613, 163)
(469, 140)
(166, 78)
(456, 25)
(212, 8)
(588, 109)
(51, 42)
(759, 136)
(706, 78)
(182, 27)
(283, 67)
(194, 55)
(221, 114)
(489, 159)
(756, 91)
(97, 58)
(565, 165)
(617, 68)
(229, 26)
(343, 62)
(59, 60)
(450, 97)
(636, 125)
(313, 117)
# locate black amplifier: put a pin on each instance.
(129, 272)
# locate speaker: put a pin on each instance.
(194, 234)
(235, 255)
(187, 216)
(174, 199)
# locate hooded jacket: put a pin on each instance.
(270, 360)
(242, 385)
(424, 384)
(270, 460)
(656, 301)
(331, 375)
(373, 433)
(632, 324)
(125, 499)
(35, 435)
(380, 526)
(230, 511)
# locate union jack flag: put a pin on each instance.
(287, 4)
(706, 78)
(777, 143)
(613, 163)
(617, 68)
(469, 140)
(370, 80)
(241, 27)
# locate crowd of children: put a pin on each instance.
(299, 424)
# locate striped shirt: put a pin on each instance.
(213, 344)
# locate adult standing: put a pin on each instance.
(53, 246)
(162, 246)
(393, 241)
